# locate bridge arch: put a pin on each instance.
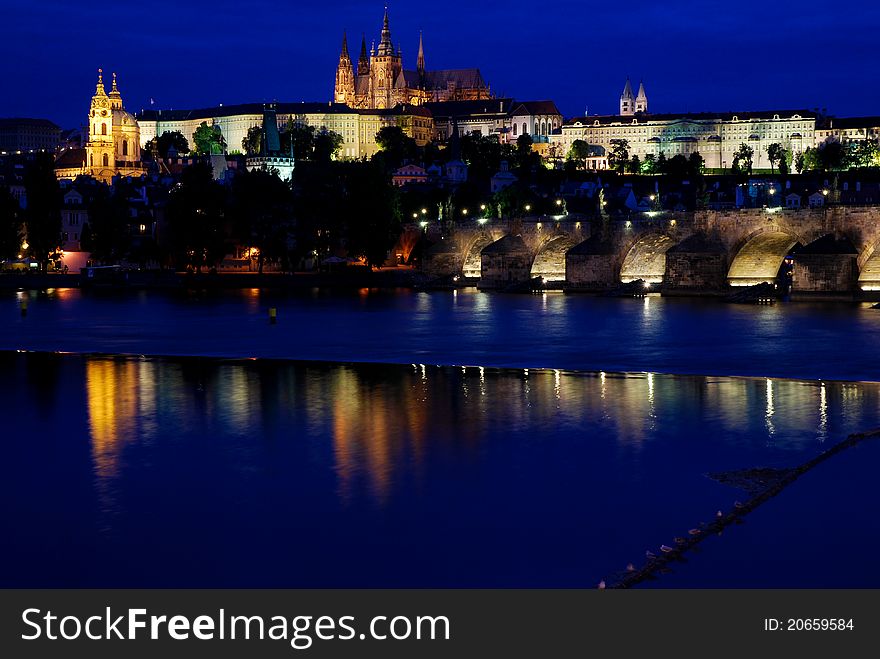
(760, 257)
(549, 261)
(471, 266)
(869, 267)
(646, 259)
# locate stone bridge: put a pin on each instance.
(826, 250)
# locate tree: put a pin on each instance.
(209, 139)
(649, 164)
(619, 156)
(864, 153)
(579, 152)
(831, 155)
(170, 139)
(662, 163)
(108, 238)
(299, 138)
(696, 163)
(396, 146)
(195, 215)
(327, 145)
(785, 162)
(525, 156)
(11, 225)
(261, 211)
(742, 159)
(43, 213)
(252, 143)
(775, 154)
(373, 212)
(635, 165)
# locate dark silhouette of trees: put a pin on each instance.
(196, 221)
(43, 213)
(166, 142)
(11, 225)
(261, 212)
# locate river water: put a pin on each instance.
(427, 439)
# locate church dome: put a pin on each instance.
(124, 118)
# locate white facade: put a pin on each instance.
(715, 137)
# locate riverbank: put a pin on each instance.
(164, 280)
(348, 278)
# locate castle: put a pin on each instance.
(381, 82)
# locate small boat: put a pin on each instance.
(719, 514)
(666, 549)
(694, 532)
(737, 504)
(630, 567)
(650, 555)
(680, 541)
(602, 585)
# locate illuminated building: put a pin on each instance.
(715, 136)
(113, 147)
(381, 82)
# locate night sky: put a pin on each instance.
(693, 55)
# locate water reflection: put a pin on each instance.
(382, 421)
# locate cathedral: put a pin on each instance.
(381, 82)
(113, 146)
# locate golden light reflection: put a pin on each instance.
(112, 399)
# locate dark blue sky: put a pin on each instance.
(693, 56)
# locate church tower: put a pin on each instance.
(385, 67)
(344, 92)
(364, 60)
(642, 100)
(100, 157)
(627, 101)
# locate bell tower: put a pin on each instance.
(99, 149)
(642, 100)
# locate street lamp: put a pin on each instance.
(464, 211)
(528, 207)
(415, 216)
(423, 224)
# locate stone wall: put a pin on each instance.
(824, 273)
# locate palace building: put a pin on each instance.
(715, 136)
(381, 82)
(113, 146)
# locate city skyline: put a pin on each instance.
(581, 61)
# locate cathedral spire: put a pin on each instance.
(421, 61)
(345, 45)
(385, 45)
(364, 61)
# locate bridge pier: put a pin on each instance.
(826, 266)
(696, 266)
(506, 261)
(591, 266)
